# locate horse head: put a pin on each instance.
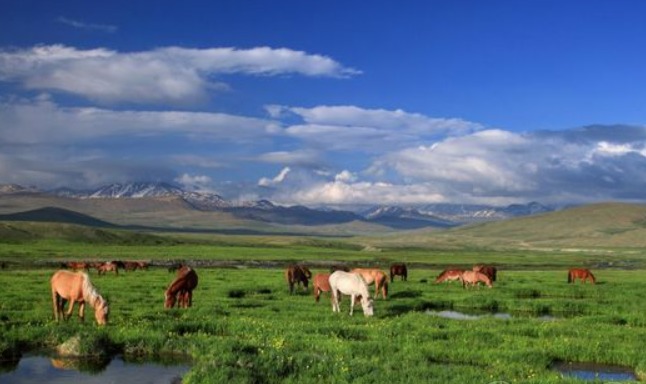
(101, 312)
(169, 300)
(368, 306)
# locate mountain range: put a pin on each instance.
(395, 217)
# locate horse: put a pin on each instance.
(376, 276)
(108, 266)
(320, 283)
(76, 287)
(473, 278)
(181, 289)
(351, 284)
(580, 273)
(449, 275)
(77, 265)
(297, 274)
(488, 270)
(338, 267)
(398, 269)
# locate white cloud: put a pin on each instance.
(41, 121)
(172, 75)
(88, 26)
(194, 182)
(298, 157)
(266, 182)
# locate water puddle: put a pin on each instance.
(594, 371)
(456, 315)
(40, 369)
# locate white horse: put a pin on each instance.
(350, 284)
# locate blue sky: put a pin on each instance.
(337, 102)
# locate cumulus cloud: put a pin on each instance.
(266, 182)
(352, 128)
(172, 75)
(43, 121)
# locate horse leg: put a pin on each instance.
(70, 309)
(82, 310)
(55, 303)
(351, 303)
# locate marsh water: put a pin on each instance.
(457, 315)
(41, 369)
(594, 371)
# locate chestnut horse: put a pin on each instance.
(351, 284)
(488, 270)
(449, 275)
(320, 283)
(376, 276)
(181, 289)
(398, 269)
(580, 273)
(473, 278)
(297, 274)
(76, 287)
(77, 265)
(108, 266)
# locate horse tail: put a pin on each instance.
(384, 288)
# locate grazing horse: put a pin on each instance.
(108, 266)
(76, 287)
(398, 269)
(376, 276)
(297, 274)
(473, 278)
(338, 267)
(320, 283)
(351, 284)
(580, 273)
(488, 270)
(449, 275)
(77, 265)
(181, 289)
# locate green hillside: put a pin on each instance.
(605, 225)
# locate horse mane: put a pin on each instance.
(90, 294)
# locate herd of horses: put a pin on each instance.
(71, 287)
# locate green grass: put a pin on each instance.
(245, 327)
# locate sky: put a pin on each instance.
(329, 103)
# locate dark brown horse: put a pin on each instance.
(580, 273)
(338, 267)
(297, 274)
(181, 289)
(449, 275)
(75, 287)
(398, 269)
(488, 270)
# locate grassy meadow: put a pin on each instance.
(245, 327)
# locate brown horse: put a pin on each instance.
(398, 269)
(488, 270)
(181, 289)
(376, 276)
(320, 283)
(77, 265)
(76, 287)
(297, 274)
(580, 273)
(473, 278)
(449, 275)
(338, 267)
(134, 265)
(108, 266)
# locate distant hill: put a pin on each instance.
(57, 215)
(603, 225)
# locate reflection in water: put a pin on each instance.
(594, 371)
(38, 369)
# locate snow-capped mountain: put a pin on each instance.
(401, 217)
